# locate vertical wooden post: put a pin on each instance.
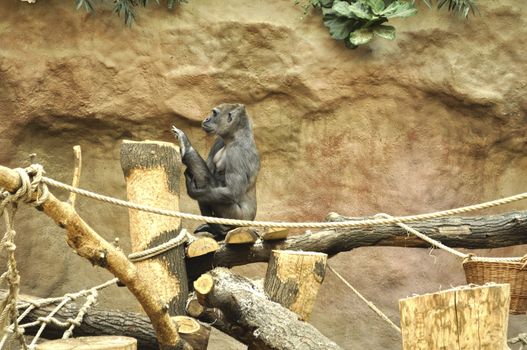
(293, 279)
(471, 318)
(152, 171)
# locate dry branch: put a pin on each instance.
(88, 244)
(77, 169)
(492, 231)
(270, 325)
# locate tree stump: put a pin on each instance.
(293, 279)
(152, 175)
(460, 318)
(104, 342)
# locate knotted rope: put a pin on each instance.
(34, 192)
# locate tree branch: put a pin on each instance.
(492, 231)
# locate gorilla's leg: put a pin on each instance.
(197, 168)
(216, 230)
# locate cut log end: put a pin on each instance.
(241, 235)
(203, 286)
(186, 325)
(273, 234)
(202, 246)
(90, 343)
(195, 333)
(194, 308)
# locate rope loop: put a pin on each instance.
(31, 185)
(181, 238)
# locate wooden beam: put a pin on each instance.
(492, 231)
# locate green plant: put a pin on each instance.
(459, 7)
(124, 8)
(358, 21)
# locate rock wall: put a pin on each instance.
(432, 120)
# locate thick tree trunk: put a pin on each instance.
(271, 325)
(492, 231)
(152, 171)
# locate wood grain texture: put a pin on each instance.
(152, 171)
(90, 343)
(293, 279)
(467, 318)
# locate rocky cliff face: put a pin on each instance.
(432, 120)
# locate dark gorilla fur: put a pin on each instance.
(225, 184)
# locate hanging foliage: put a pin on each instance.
(357, 22)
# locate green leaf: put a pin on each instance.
(361, 10)
(86, 4)
(339, 28)
(386, 32)
(399, 9)
(361, 36)
(342, 8)
(376, 5)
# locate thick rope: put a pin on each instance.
(31, 187)
(182, 237)
(234, 222)
(366, 301)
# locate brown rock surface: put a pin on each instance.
(432, 120)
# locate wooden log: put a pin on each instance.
(270, 325)
(91, 246)
(152, 172)
(90, 343)
(194, 307)
(461, 318)
(492, 231)
(202, 246)
(196, 334)
(293, 279)
(241, 235)
(272, 234)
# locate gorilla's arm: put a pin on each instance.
(238, 177)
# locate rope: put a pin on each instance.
(34, 192)
(182, 237)
(366, 301)
(91, 298)
(235, 222)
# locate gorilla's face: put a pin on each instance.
(224, 119)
